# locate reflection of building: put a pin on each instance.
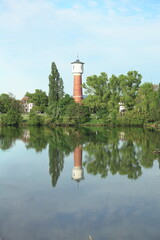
(26, 135)
(122, 135)
(26, 106)
(77, 172)
(77, 70)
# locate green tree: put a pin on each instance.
(129, 85)
(39, 98)
(35, 119)
(58, 109)
(96, 87)
(147, 102)
(76, 114)
(12, 118)
(56, 88)
(8, 102)
(114, 94)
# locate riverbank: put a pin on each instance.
(46, 120)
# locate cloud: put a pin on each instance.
(110, 36)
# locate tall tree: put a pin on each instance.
(56, 88)
(147, 102)
(129, 87)
(8, 102)
(96, 87)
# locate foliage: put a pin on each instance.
(35, 119)
(56, 88)
(105, 94)
(97, 90)
(147, 102)
(131, 118)
(76, 114)
(39, 98)
(57, 110)
(129, 85)
(8, 102)
(12, 118)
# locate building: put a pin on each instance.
(77, 70)
(122, 108)
(26, 105)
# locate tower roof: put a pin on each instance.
(77, 61)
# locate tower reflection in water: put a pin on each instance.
(78, 172)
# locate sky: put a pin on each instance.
(112, 36)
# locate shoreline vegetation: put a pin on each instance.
(43, 119)
(116, 101)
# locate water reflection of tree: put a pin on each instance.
(125, 156)
(56, 163)
(123, 151)
(8, 136)
(38, 139)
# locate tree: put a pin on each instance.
(97, 91)
(58, 109)
(56, 88)
(39, 98)
(147, 102)
(8, 102)
(34, 119)
(12, 118)
(129, 85)
(76, 114)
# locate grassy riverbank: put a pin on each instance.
(47, 120)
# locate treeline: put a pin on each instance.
(140, 102)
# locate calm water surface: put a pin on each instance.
(66, 184)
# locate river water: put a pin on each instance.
(67, 184)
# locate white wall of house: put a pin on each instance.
(27, 106)
(122, 108)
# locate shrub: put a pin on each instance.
(12, 118)
(35, 120)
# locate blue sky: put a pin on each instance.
(112, 36)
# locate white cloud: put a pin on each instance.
(36, 33)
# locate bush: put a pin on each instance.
(131, 118)
(35, 120)
(76, 114)
(12, 118)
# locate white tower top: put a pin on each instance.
(77, 67)
(77, 173)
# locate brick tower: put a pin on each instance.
(77, 70)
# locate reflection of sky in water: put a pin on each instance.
(110, 208)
